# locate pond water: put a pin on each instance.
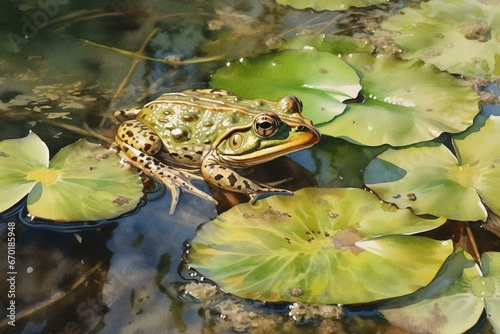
(65, 67)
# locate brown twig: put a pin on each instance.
(472, 241)
(131, 70)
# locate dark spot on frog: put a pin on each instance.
(188, 118)
(247, 185)
(218, 177)
(187, 156)
(130, 133)
(232, 179)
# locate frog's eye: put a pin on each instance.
(290, 104)
(266, 125)
(235, 141)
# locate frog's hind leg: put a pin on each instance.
(228, 179)
(173, 178)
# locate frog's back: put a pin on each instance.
(192, 121)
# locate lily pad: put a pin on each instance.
(454, 301)
(405, 102)
(459, 36)
(322, 245)
(432, 180)
(83, 181)
(320, 79)
(320, 5)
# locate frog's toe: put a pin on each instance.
(189, 187)
(255, 196)
(175, 193)
(184, 185)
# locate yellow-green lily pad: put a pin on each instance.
(432, 180)
(322, 245)
(320, 79)
(404, 102)
(320, 5)
(83, 181)
(459, 36)
(454, 301)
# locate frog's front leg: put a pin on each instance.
(228, 179)
(138, 144)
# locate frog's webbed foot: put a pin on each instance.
(255, 196)
(173, 178)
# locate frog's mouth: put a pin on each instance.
(310, 136)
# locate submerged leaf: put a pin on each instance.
(459, 36)
(321, 5)
(332, 245)
(320, 79)
(404, 102)
(336, 44)
(431, 180)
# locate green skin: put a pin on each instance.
(179, 135)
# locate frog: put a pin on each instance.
(210, 135)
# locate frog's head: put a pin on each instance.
(270, 135)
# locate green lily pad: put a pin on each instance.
(454, 301)
(322, 81)
(322, 245)
(431, 180)
(83, 181)
(459, 36)
(320, 5)
(405, 102)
